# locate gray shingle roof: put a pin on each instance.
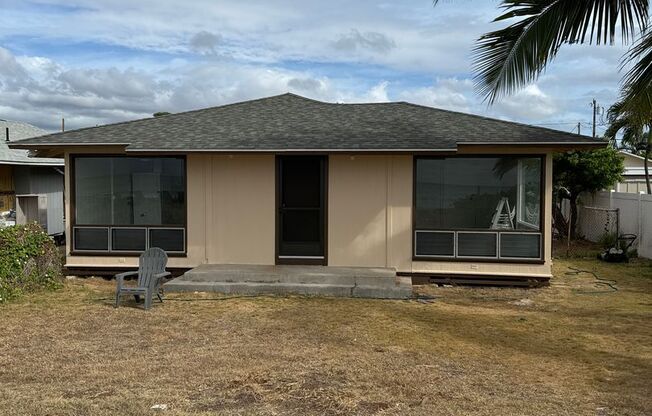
(290, 122)
(17, 131)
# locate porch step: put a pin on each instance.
(303, 280)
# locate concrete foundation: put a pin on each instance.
(361, 282)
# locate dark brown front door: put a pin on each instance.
(301, 185)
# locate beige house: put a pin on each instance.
(289, 180)
(634, 174)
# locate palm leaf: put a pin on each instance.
(630, 120)
(508, 59)
(637, 83)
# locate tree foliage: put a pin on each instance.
(586, 171)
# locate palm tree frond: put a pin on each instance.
(630, 120)
(613, 129)
(508, 59)
(637, 83)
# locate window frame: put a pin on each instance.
(520, 206)
(72, 158)
(498, 259)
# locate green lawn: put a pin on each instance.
(576, 347)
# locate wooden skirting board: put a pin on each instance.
(109, 272)
(466, 280)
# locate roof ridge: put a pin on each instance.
(291, 94)
(492, 119)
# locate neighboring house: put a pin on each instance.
(33, 187)
(634, 174)
(289, 180)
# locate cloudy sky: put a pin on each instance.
(101, 61)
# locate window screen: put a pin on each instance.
(169, 239)
(129, 191)
(429, 243)
(91, 239)
(471, 201)
(477, 193)
(520, 245)
(477, 244)
(129, 239)
(126, 198)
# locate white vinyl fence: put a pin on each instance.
(634, 217)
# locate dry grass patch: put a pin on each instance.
(470, 351)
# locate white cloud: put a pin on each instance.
(528, 104)
(204, 42)
(9, 66)
(262, 31)
(120, 59)
(378, 93)
(450, 94)
(108, 83)
(372, 41)
(305, 84)
(91, 96)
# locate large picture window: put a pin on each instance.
(129, 200)
(478, 207)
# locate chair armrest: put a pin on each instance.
(120, 277)
(125, 274)
(162, 275)
(158, 278)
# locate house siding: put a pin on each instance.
(7, 191)
(231, 215)
(633, 176)
(370, 211)
(43, 180)
(241, 217)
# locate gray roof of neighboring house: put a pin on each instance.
(18, 131)
(289, 122)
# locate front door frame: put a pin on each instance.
(324, 184)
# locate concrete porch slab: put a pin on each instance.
(363, 282)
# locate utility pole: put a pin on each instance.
(579, 129)
(595, 111)
(63, 124)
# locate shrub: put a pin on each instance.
(29, 260)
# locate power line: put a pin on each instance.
(558, 122)
(598, 110)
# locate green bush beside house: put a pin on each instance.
(29, 261)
